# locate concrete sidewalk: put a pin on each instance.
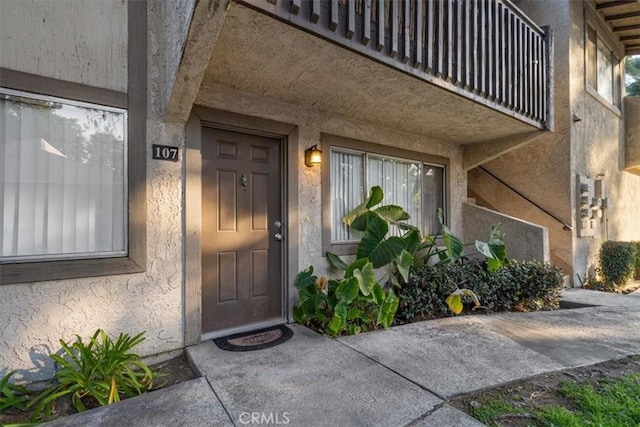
(399, 377)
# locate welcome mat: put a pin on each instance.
(255, 340)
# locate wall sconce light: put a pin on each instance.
(312, 156)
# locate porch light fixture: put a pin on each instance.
(312, 156)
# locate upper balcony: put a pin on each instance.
(457, 71)
(486, 50)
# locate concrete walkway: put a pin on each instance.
(399, 377)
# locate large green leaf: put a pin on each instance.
(403, 264)
(388, 309)
(357, 264)
(336, 261)
(374, 246)
(375, 196)
(348, 290)
(453, 244)
(305, 279)
(366, 278)
(378, 294)
(339, 320)
(392, 213)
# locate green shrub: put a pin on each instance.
(617, 262)
(636, 274)
(518, 284)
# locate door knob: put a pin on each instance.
(278, 237)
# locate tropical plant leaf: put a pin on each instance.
(453, 244)
(336, 261)
(454, 301)
(347, 291)
(366, 278)
(375, 196)
(388, 309)
(339, 320)
(378, 294)
(403, 264)
(357, 264)
(305, 278)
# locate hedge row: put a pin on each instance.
(517, 285)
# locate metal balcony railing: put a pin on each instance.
(486, 50)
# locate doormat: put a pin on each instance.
(255, 340)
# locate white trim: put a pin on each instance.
(244, 328)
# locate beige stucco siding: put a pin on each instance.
(81, 41)
(86, 42)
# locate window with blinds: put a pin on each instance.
(417, 187)
(603, 75)
(63, 178)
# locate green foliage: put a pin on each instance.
(99, 371)
(617, 262)
(494, 409)
(358, 302)
(636, 274)
(632, 70)
(613, 403)
(349, 306)
(12, 396)
(524, 285)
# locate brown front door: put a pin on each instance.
(241, 229)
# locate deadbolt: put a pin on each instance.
(278, 224)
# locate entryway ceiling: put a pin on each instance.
(259, 54)
(623, 16)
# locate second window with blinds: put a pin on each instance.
(409, 180)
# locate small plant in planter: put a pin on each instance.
(12, 396)
(98, 372)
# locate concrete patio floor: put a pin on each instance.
(399, 377)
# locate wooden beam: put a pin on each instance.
(622, 16)
(627, 38)
(626, 28)
(613, 4)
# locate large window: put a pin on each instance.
(62, 178)
(415, 185)
(603, 75)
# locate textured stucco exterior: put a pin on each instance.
(588, 140)
(81, 41)
(632, 133)
(34, 316)
(541, 169)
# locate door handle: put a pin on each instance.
(278, 237)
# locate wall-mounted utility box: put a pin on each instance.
(591, 204)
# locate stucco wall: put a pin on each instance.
(541, 169)
(34, 316)
(632, 133)
(82, 41)
(177, 16)
(311, 123)
(524, 240)
(598, 147)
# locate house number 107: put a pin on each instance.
(164, 152)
